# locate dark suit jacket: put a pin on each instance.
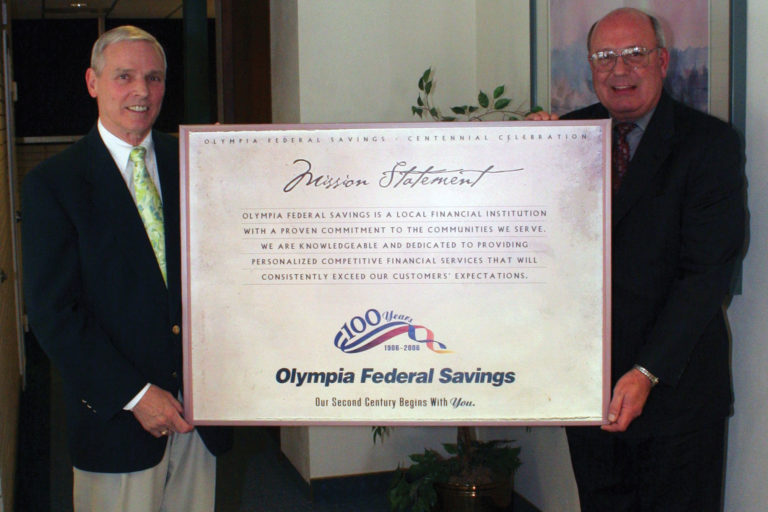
(96, 300)
(678, 229)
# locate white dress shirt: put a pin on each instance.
(121, 151)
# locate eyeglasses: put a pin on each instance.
(633, 56)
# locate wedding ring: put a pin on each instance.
(164, 432)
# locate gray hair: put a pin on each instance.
(117, 35)
(658, 31)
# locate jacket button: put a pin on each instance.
(175, 329)
(175, 375)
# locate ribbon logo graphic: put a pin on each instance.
(365, 332)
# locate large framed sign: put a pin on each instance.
(452, 273)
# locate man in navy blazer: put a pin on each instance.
(678, 219)
(98, 302)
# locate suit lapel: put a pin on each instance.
(166, 152)
(112, 202)
(653, 150)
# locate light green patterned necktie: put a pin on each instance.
(150, 207)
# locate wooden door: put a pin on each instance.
(10, 376)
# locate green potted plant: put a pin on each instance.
(476, 476)
(495, 106)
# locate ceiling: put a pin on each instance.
(121, 9)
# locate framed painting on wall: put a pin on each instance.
(697, 36)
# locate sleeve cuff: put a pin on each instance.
(130, 405)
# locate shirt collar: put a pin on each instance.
(642, 122)
(119, 149)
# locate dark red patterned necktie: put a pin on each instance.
(620, 156)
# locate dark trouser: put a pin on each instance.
(660, 474)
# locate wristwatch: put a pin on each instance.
(651, 377)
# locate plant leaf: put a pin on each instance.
(459, 110)
(425, 76)
(419, 101)
(501, 104)
(498, 91)
(482, 99)
(428, 87)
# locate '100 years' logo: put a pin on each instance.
(370, 330)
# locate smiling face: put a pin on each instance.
(128, 89)
(628, 93)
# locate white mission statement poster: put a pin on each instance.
(442, 273)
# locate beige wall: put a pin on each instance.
(747, 471)
(360, 60)
(284, 42)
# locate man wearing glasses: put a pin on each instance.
(678, 219)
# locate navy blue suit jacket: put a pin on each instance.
(678, 229)
(96, 300)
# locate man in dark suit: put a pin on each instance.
(102, 286)
(678, 220)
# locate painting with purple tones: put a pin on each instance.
(686, 27)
